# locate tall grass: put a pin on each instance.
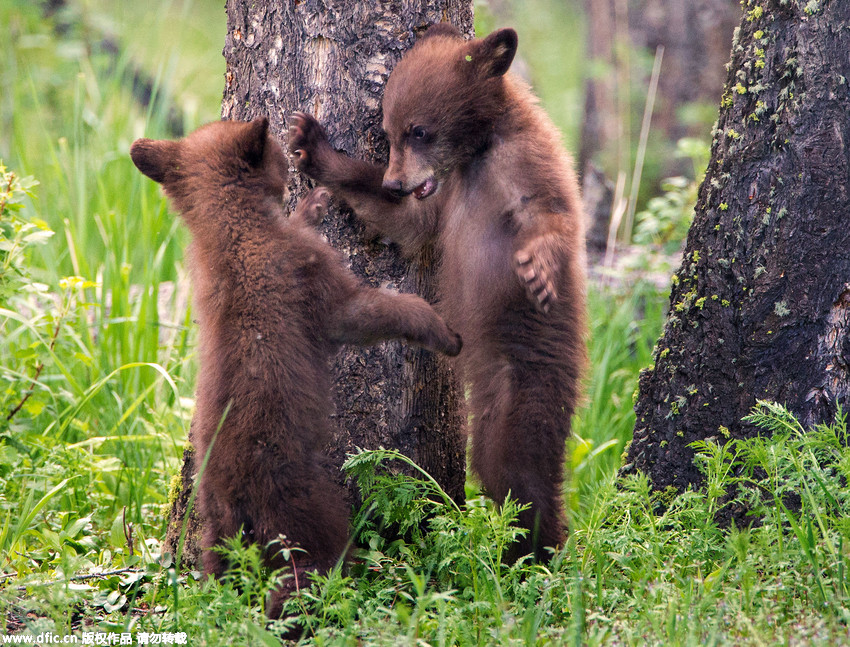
(623, 327)
(97, 348)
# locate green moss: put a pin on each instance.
(624, 456)
(686, 301)
(677, 406)
(666, 496)
(174, 489)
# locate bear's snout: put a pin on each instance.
(394, 186)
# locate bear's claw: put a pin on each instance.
(313, 206)
(306, 139)
(537, 275)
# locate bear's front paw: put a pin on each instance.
(537, 269)
(455, 345)
(313, 206)
(307, 143)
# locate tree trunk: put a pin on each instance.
(601, 125)
(332, 60)
(760, 308)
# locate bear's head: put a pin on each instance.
(218, 157)
(441, 105)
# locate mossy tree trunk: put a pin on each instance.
(332, 60)
(760, 308)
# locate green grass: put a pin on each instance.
(97, 365)
(99, 384)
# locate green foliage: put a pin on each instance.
(640, 567)
(667, 217)
(16, 234)
(93, 398)
(71, 437)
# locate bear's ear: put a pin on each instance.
(253, 142)
(495, 53)
(156, 158)
(441, 29)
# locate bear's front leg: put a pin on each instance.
(406, 221)
(372, 315)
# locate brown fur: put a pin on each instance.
(274, 302)
(477, 169)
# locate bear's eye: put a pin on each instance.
(418, 132)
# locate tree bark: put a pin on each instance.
(332, 59)
(760, 308)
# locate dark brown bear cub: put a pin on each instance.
(476, 168)
(274, 302)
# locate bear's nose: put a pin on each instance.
(396, 187)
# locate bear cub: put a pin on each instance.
(476, 169)
(274, 302)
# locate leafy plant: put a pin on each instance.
(667, 218)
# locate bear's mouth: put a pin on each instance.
(426, 188)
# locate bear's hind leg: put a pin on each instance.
(219, 523)
(534, 441)
(315, 521)
(518, 447)
(490, 398)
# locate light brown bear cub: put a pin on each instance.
(476, 168)
(274, 302)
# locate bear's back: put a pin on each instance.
(264, 303)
